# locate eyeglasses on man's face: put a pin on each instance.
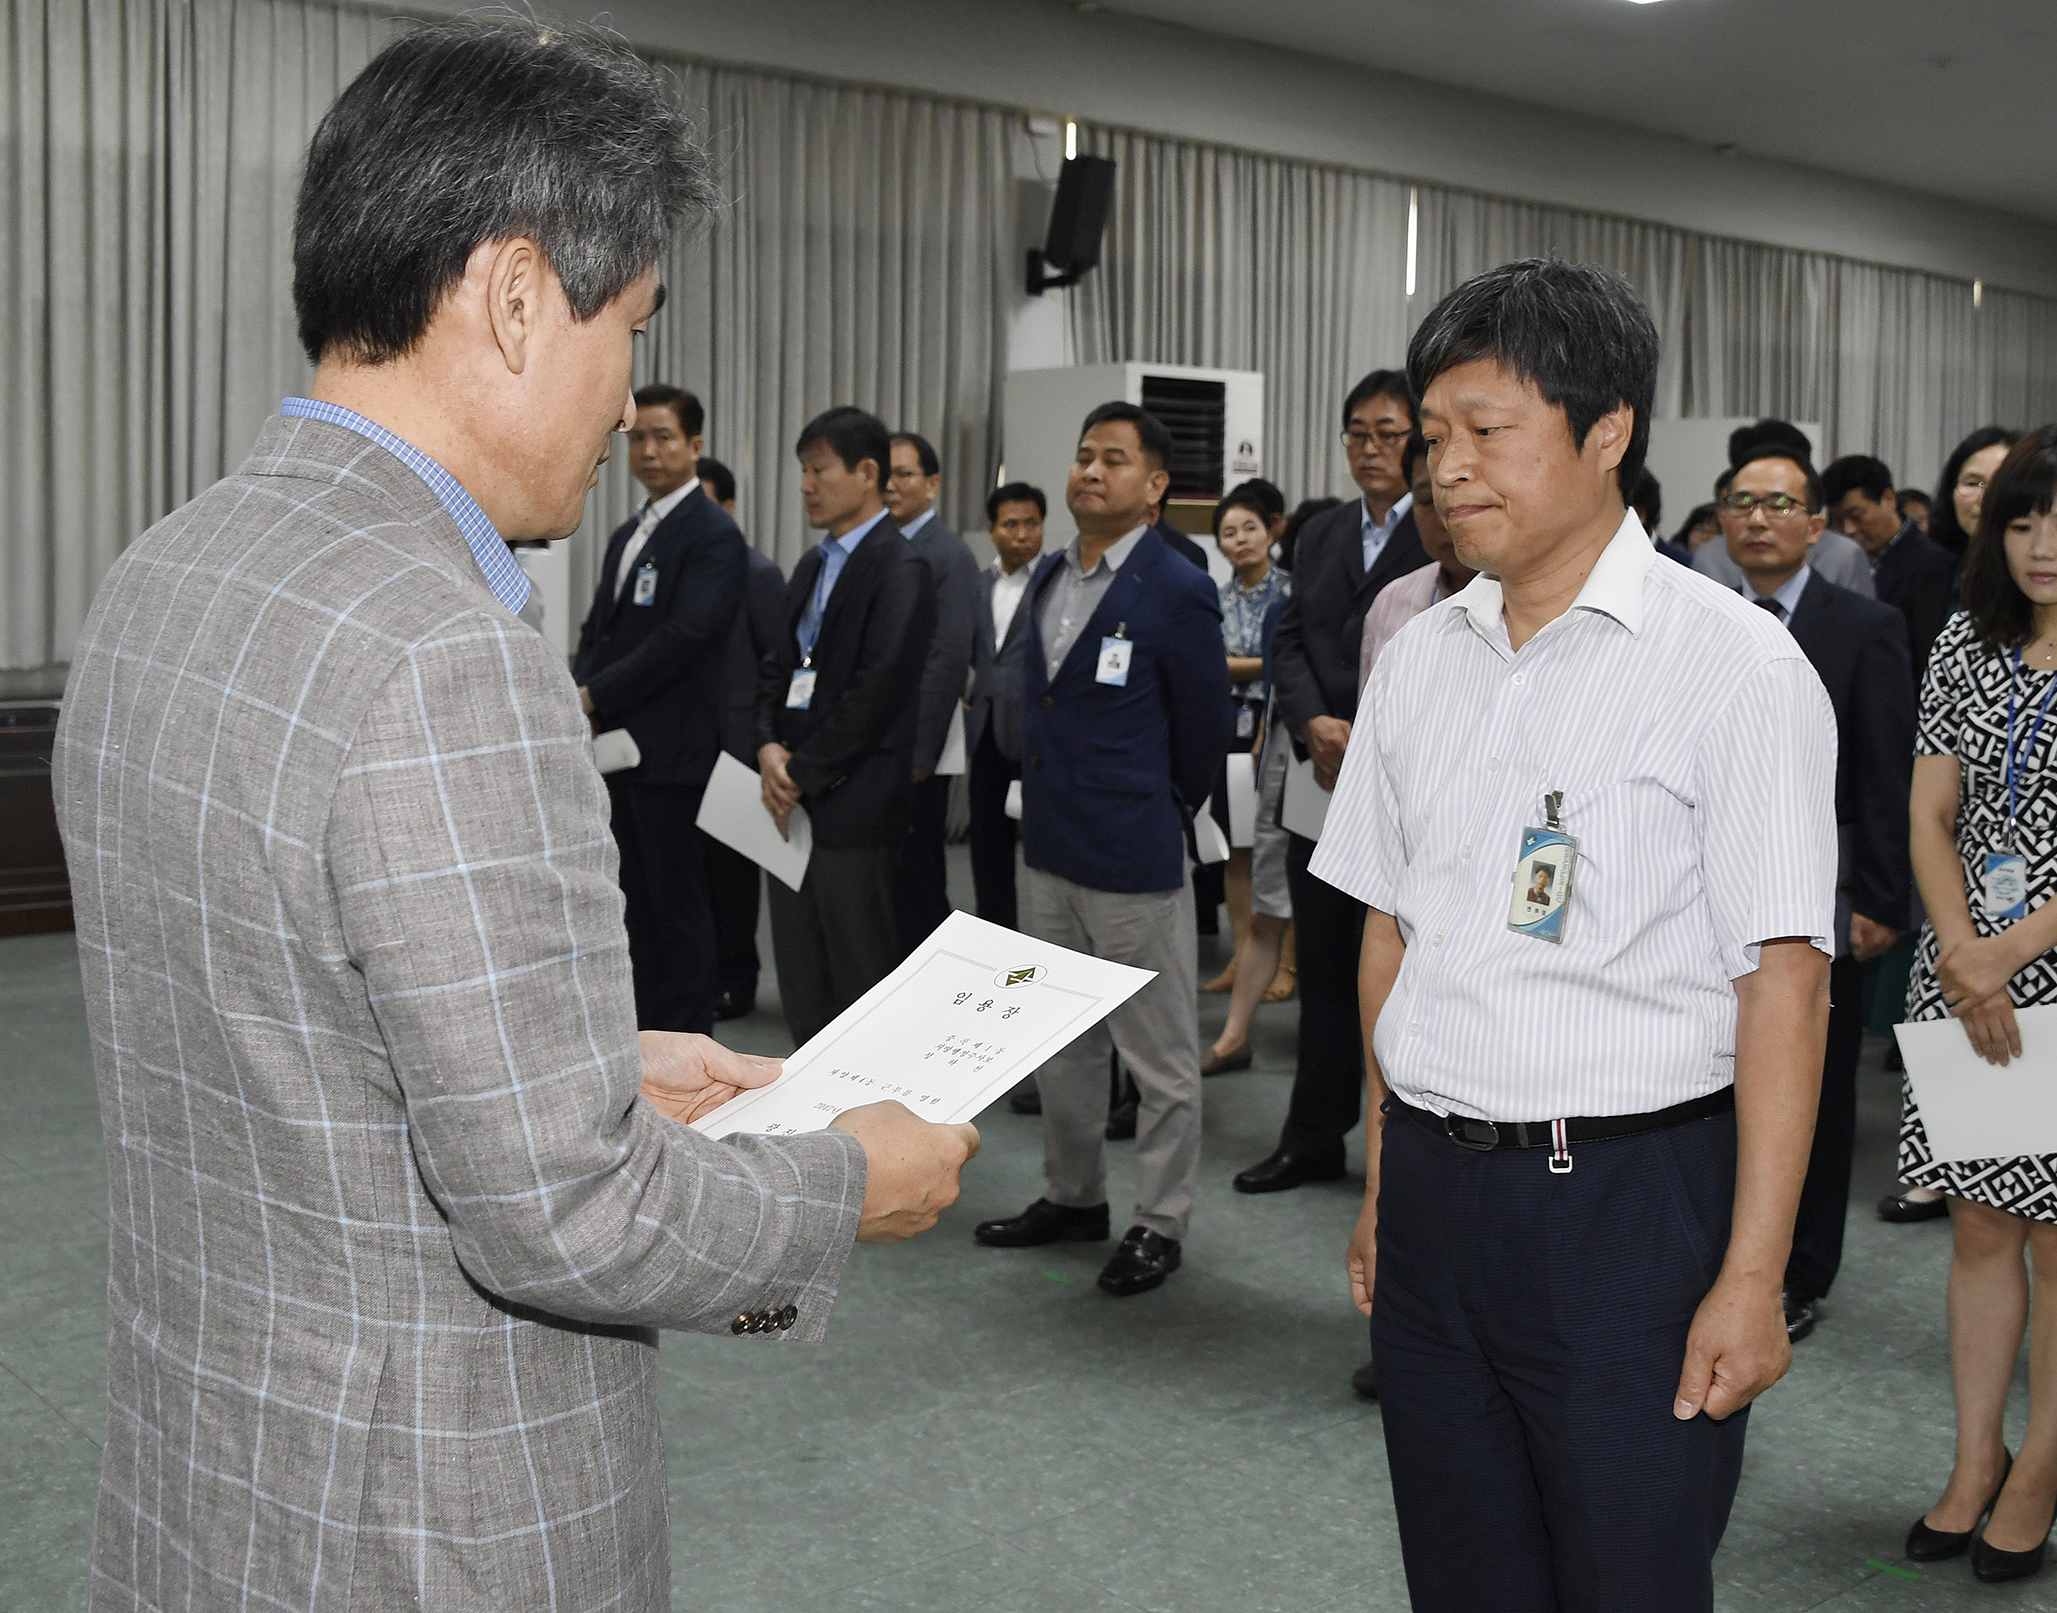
(1778, 504)
(1357, 439)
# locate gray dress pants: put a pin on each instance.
(1156, 1032)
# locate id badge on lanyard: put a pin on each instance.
(1542, 876)
(1115, 654)
(646, 583)
(2003, 889)
(800, 692)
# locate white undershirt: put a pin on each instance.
(653, 512)
(1007, 592)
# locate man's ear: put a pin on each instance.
(1160, 486)
(1612, 430)
(514, 299)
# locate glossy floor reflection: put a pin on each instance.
(985, 1430)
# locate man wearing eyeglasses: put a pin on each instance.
(1345, 556)
(1772, 516)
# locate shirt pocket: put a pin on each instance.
(1637, 849)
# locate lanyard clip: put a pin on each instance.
(1551, 803)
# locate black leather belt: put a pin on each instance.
(1487, 1135)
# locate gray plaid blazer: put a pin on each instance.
(392, 1231)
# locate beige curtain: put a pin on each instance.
(151, 152)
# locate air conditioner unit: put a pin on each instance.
(1216, 419)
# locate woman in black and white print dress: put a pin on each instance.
(1978, 964)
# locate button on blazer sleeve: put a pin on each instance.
(469, 851)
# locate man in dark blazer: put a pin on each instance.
(992, 724)
(1859, 648)
(735, 884)
(921, 891)
(1179, 544)
(1125, 716)
(835, 721)
(1909, 570)
(650, 659)
(1344, 557)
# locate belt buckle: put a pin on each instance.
(1481, 1136)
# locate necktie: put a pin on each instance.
(1773, 606)
(646, 522)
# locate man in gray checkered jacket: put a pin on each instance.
(393, 1230)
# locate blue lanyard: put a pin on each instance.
(2014, 764)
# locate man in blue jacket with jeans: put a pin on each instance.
(1125, 716)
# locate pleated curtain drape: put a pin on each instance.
(868, 254)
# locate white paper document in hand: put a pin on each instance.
(732, 810)
(967, 1016)
(1974, 1110)
(952, 759)
(1304, 808)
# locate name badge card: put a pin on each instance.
(2004, 890)
(646, 584)
(1114, 661)
(1542, 877)
(800, 692)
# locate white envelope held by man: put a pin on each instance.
(967, 1016)
(732, 810)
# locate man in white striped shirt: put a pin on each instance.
(1592, 1114)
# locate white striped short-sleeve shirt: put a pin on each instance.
(1696, 750)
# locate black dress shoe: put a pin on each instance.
(1026, 1099)
(1993, 1566)
(1224, 1063)
(1044, 1222)
(731, 1005)
(1121, 1120)
(1288, 1168)
(1926, 1545)
(1899, 1207)
(1801, 1315)
(1143, 1261)
(1365, 1380)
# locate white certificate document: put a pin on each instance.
(952, 759)
(975, 1009)
(1975, 1110)
(732, 810)
(1242, 799)
(1305, 807)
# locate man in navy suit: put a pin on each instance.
(735, 884)
(1909, 570)
(650, 660)
(836, 707)
(1771, 516)
(992, 725)
(1345, 556)
(1125, 716)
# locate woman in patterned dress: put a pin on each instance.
(1991, 679)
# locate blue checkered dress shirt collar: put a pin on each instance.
(503, 573)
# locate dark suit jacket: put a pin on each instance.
(1111, 775)
(996, 674)
(853, 747)
(1314, 661)
(1181, 545)
(757, 630)
(656, 669)
(1915, 576)
(1859, 648)
(956, 576)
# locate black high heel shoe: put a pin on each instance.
(1992, 1566)
(1926, 1545)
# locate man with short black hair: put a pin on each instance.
(921, 893)
(1125, 716)
(992, 723)
(1771, 518)
(650, 660)
(1910, 570)
(836, 721)
(1343, 559)
(1834, 557)
(1590, 1124)
(392, 1224)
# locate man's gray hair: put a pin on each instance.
(486, 129)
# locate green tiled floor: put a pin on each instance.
(985, 1430)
